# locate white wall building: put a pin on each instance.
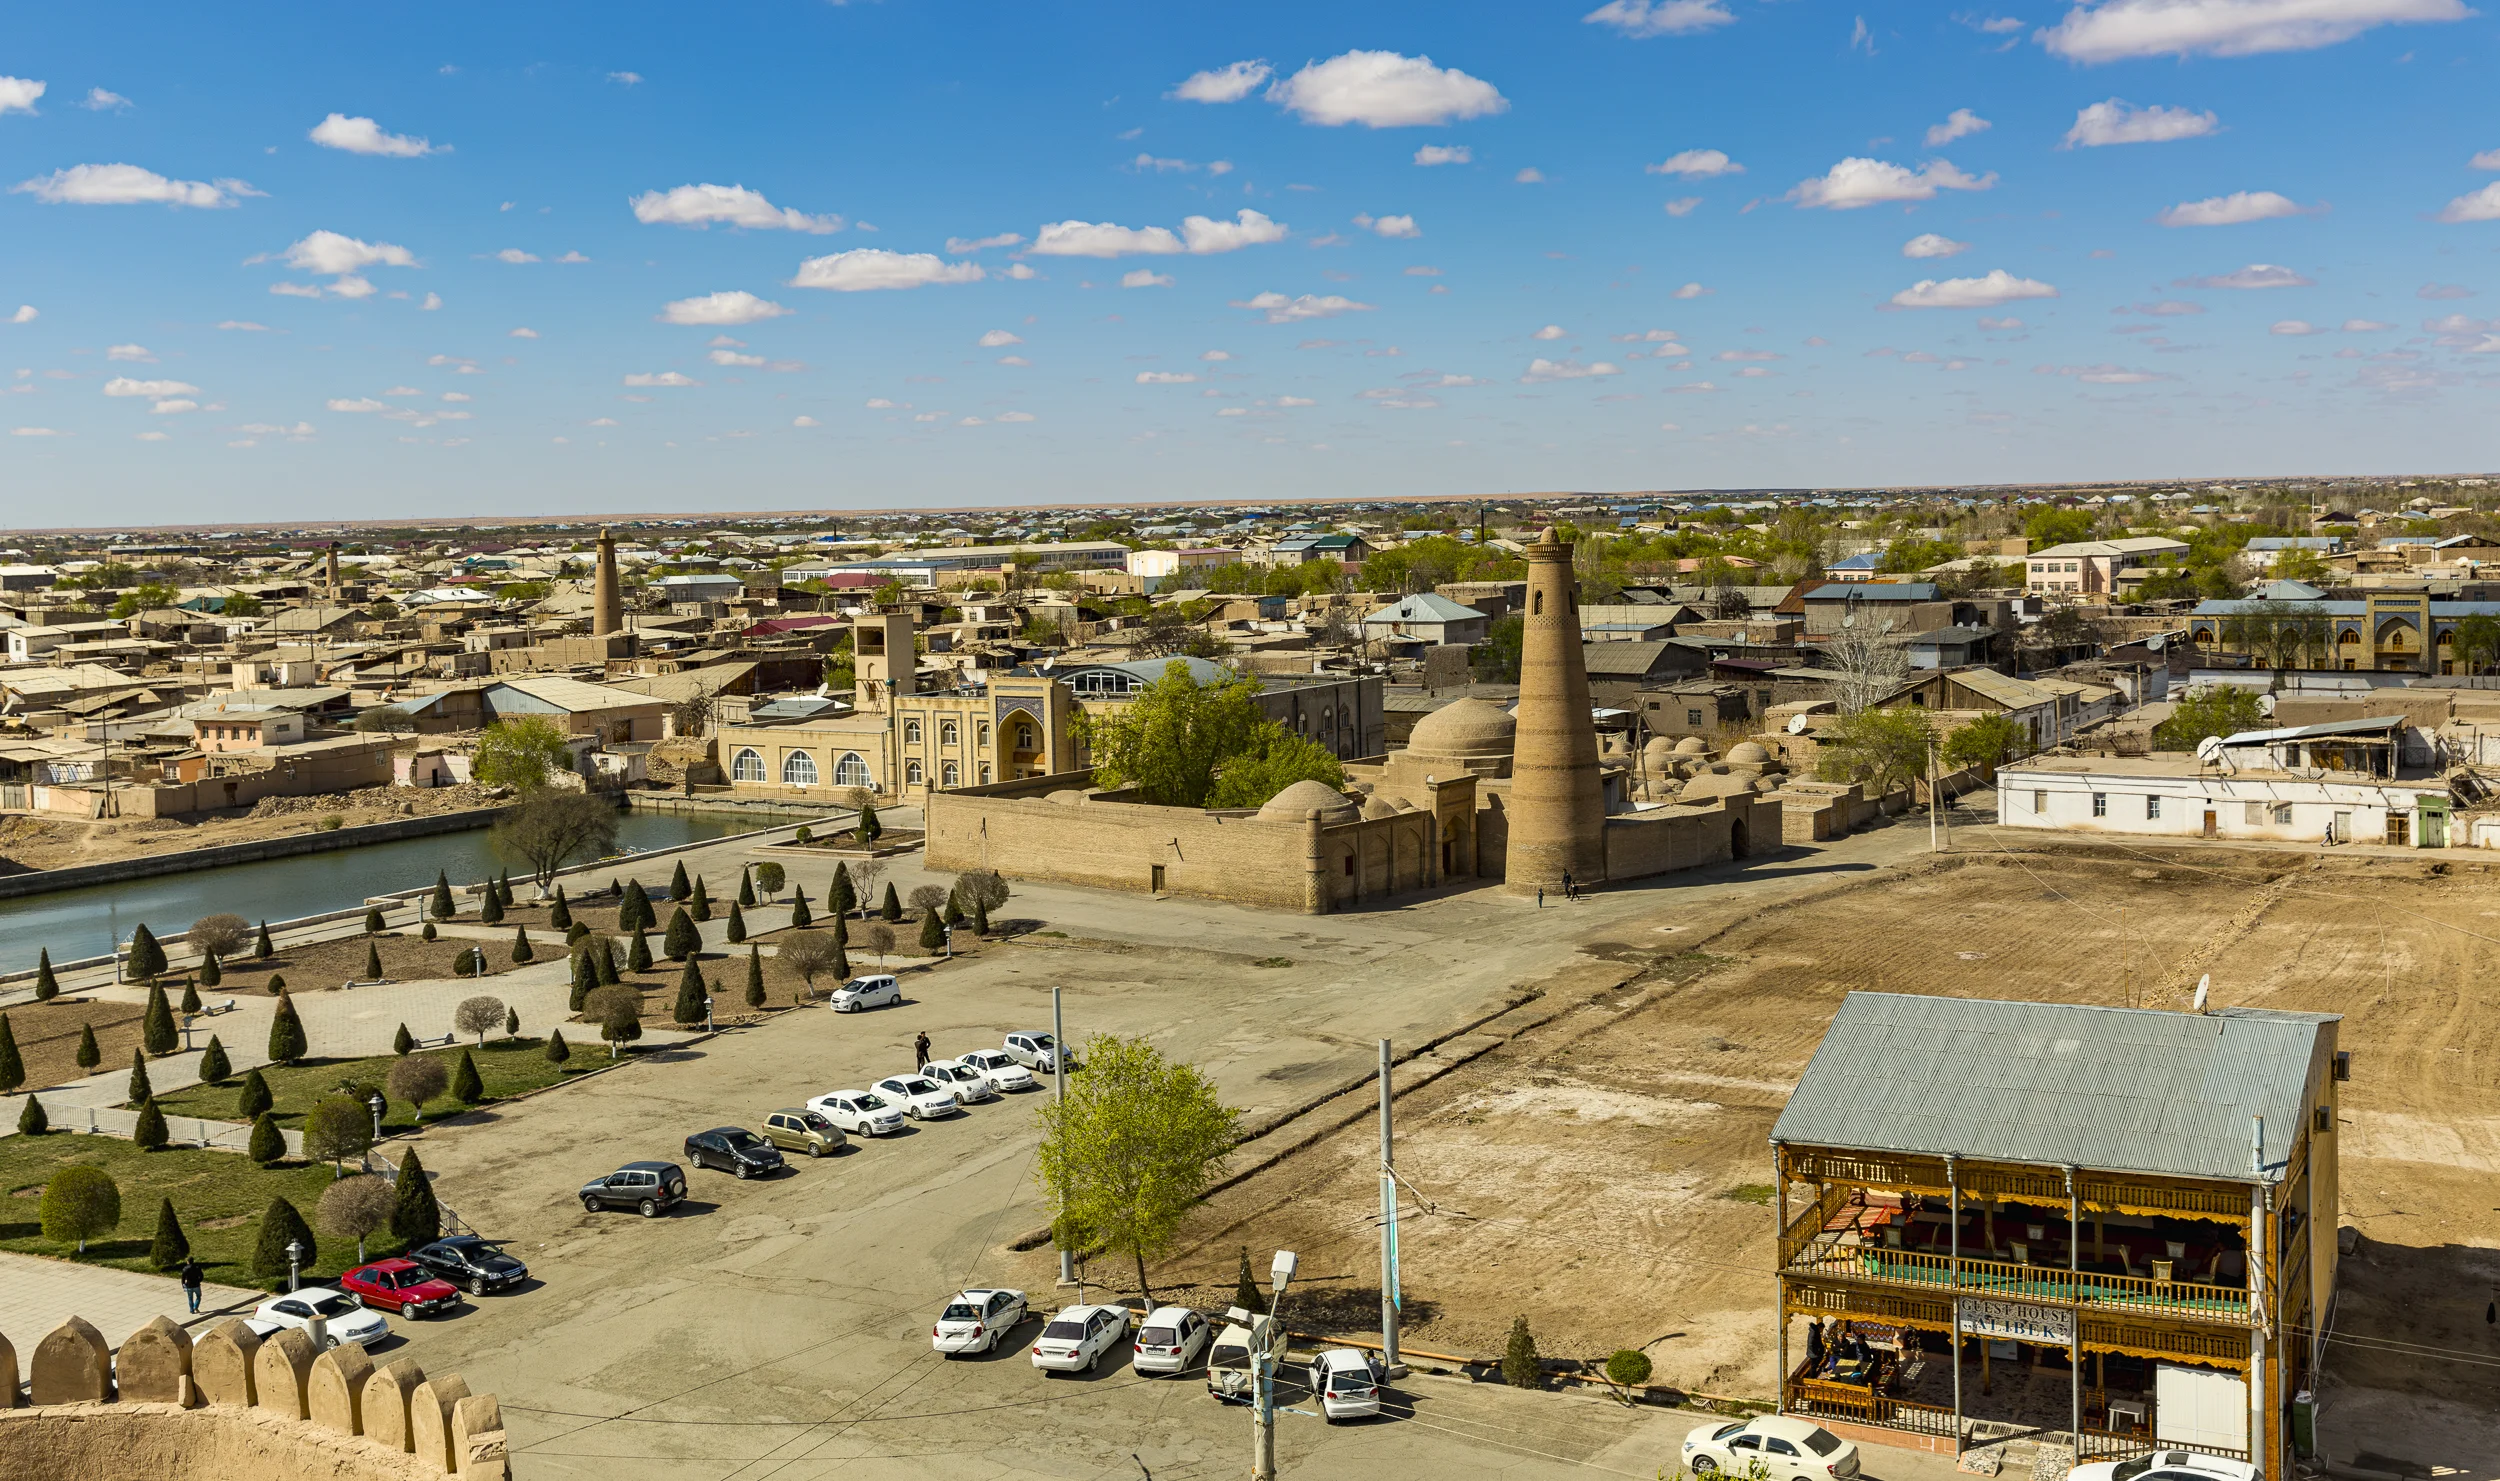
(2174, 797)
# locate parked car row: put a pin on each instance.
(425, 1282)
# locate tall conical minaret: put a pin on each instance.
(607, 598)
(1557, 803)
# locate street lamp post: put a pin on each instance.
(377, 1104)
(294, 1262)
(1267, 1344)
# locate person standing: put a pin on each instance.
(919, 1051)
(192, 1278)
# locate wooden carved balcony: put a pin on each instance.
(2110, 1295)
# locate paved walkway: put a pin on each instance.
(37, 1295)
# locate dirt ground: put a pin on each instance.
(1607, 1174)
(57, 843)
(47, 1036)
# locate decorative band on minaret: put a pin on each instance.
(1557, 802)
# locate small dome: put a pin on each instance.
(1692, 745)
(1465, 727)
(1748, 753)
(1379, 807)
(1714, 784)
(1659, 753)
(1306, 797)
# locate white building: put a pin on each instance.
(2089, 567)
(2176, 797)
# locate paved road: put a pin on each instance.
(37, 1295)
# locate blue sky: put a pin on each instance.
(284, 266)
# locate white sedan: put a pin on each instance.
(343, 1319)
(922, 1098)
(1788, 1449)
(1169, 1340)
(977, 1321)
(1346, 1384)
(999, 1068)
(1078, 1336)
(859, 1112)
(968, 1085)
(2182, 1465)
(865, 992)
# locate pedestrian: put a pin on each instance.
(1540, 897)
(919, 1051)
(1567, 884)
(191, 1279)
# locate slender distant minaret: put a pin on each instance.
(607, 598)
(332, 590)
(1557, 802)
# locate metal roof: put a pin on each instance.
(2369, 725)
(2116, 1089)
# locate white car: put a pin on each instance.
(344, 1319)
(2166, 1465)
(1346, 1384)
(1789, 1449)
(922, 1098)
(999, 1068)
(866, 992)
(1036, 1051)
(977, 1321)
(968, 1085)
(1169, 1340)
(1078, 1336)
(859, 1112)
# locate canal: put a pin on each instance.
(88, 922)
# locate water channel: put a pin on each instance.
(88, 922)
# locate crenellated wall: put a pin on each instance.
(171, 1407)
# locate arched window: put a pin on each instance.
(985, 735)
(949, 733)
(985, 773)
(746, 766)
(850, 771)
(911, 732)
(1027, 739)
(1536, 604)
(950, 775)
(798, 769)
(911, 772)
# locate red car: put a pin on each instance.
(403, 1286)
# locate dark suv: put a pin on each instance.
(648, 1188)
(733, 1149)
(474, 1265)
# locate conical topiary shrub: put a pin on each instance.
(140, 1091)
(171, 1246)
(736, 930)
(691, 1005)
(682, 940)
(373, 920)
(280, 1227)
(755, 978)
(932, 933)
(892, 908)
(403, 1042)
(560, 914)
(522, 951)
(415, 1218)
(12, 1066)
(286, 1033)
(800, 917)
(89, 1056)
(149, 1134)
(373, 961)
(639, 959)
(215, 1068)
(700, 905)
(212, 974)
(147, 959)
(31, 1120)
(1520, 1367)
(47, 987)
(253, 1101)
(157, 1033)
(490, 909)
(678, 889)
(746, 886)
(268, 1142)
(261, 949)
(466, 1084)
(557, 1051)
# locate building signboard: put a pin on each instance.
(2045, 1325)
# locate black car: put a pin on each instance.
(648, 1188)
(474, 1265)
(733, 1149)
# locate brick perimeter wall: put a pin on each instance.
(1115, 845)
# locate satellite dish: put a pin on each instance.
(1797, 723)
(2204, 985)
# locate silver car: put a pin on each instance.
(1000, 1069)
(1036, 1051)
(859, 1112)
(970, 1086)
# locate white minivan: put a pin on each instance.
(866, 992)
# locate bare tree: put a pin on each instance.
(1869, 665)
(222, 934)
(927, 897)
(552, 829)
(864, 876)
(878, 937)
(984, 888)
(416, 1079)
(692, 716)
(478, 1016)
(352, 1208)
(810, 954)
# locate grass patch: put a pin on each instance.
(219, 1196)
(509, 1067)
(1758, 1194)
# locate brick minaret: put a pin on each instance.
(607, 598)
(1557, 804)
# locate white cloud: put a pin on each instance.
(1652, 336)
(1145, 277)
(521, 334)
(998, 339)
(1960, 123)
(18, 94)
(865, 269)
(2294, 326)
(432, 302)
(805, 422)
(961, 245)
(1020, 271)
(1103, 239)
(2480, 205)
(1693, 388)
(33, 431)
(1389, 226)
(151, 436)
(1999, 286)
(1016, 360)
(1229, 83)
(734, 307)
(1999, 324)
(243, 324)
(1646, 18)
(1216, 355)
(2365, 326)
(122, 385)
(26, 314)
(129, 185)
(2100, 375)
(1444, 154)
(328, 252)
(662, 378)
(1017, 416)
(129, 352)
(2489, 159)
(1295, 401)
(98, 100)
(274, 429)
(1383, 90)
(1247, 229)
(2255, 275)
(1929, 244)
(2239, 207)
(1529, 176)
(1856, 182)
(625, 79)
(447, 395)
(364, 136)
(731, 205)
(515, 256)
(1683, 205)
(1550, 331)
(603, 421)
(2116, 122)
(359, 403)
(732, 357)
(352, 286)
(1541, 369)
(1165, 378)
(2122, 29)
(1691, 290)
(1744, 355)
(295, 290)
(1147, 164)
(174, 406)
(1282, 310)
(1696, 164)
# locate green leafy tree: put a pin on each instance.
(1174, 739)
(681, 941)
(156, 1031)
(467, 1086)
(149, 1133)
(691, 995)
(2220, 709)
(47, 987)
(557, 1051)
(1989, 742)
(2475, 641)
(31, 1120)
(89, 1056)
(140, 1091)
(1279, 759)
(416, 1219)
(287, 1043)
(281, 1226)
(215, 1067)
(1131, 1149)
(1628, 1368)
(146, 959)
(12, 1067)
(268, 1145)
(254, 1099)
(1496, 659)
(79, 1203)
(521, 753)
(549, 829)
(1520, 1366)
(442, 906)
(769, 877)
(2049, 525)
(339, 1127)
(755, 978)
(618, 1012)
(1878, 749)
(171, 1246)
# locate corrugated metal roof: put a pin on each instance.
(2119, 1089)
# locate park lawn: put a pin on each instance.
(218, 1196)
(509, 1067)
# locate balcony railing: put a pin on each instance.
(2111, 1294)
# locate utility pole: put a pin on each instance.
(1059, 1090)
(1390, 1299)
(1935, 803)
(1267, 1344)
